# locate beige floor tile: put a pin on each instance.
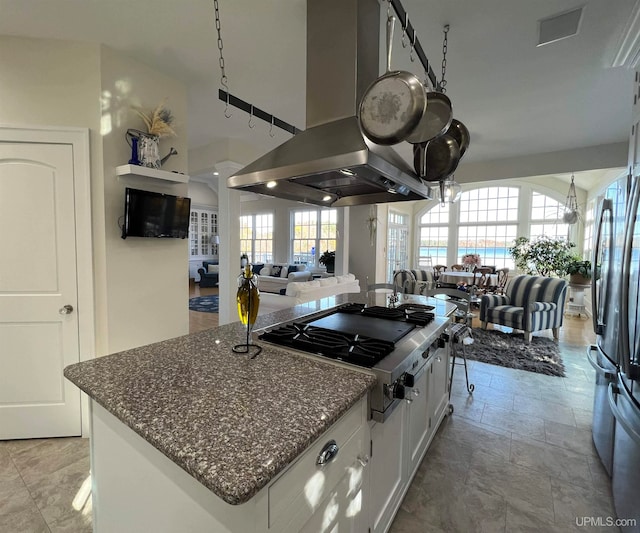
(59, 496)
(50, 455)
(543, 409)
(467, 406)
(570, 437)
(551, 460)
(583, 418)
(496, 476)
(27, 519)
(527, 425)
(572, 503)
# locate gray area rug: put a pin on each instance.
(204, 304)
(509, 349)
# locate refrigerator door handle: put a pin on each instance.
(625, 348)
(620, 419)
(607, 206)
(608, 375)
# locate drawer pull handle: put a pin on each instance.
(327, 454)
(363, 460)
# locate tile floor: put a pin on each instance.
(516, 456)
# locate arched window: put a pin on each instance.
(488, 224)
(486, 221)
(546, 217)
(434, 235)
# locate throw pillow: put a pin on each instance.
(293, 268)
(276, 270)
(213, 269)
(257, 268)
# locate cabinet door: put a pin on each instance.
(418, 420)
(344, 508)
(438, 384)
(387, 468)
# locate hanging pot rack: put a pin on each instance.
(273, 121)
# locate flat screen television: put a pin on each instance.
(153, 214)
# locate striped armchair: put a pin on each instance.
(529, 303)
(413, 281)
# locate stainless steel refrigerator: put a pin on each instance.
(606, 302)
(624, 395)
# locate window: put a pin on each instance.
(486, 221)
(398, 243)
(589, 228)
(256, 237)
(314, 231)
(434, 235)
(203, 225)
(488, 224)
(546, 217)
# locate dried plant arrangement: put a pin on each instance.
(159, 121)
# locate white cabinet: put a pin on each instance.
(400, 443)
(417, 420)
(387, 476)
(438, 386)
(137, 488)
(332, 494)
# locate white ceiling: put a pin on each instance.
(514, 97)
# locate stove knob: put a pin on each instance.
(442, 342)
(409, 379)
(398, 391)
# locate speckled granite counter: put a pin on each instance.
(231, 422)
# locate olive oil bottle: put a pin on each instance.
(248, 296)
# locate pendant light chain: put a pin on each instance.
(445, 44)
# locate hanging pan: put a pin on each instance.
(460, 133)
(393, 105)
(435, 120)
(437, 159)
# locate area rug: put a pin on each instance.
(509, 349)
(204, 304)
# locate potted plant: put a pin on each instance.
(544, 256)
(328, 259)
(579, 272)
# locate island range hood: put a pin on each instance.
(332, 163)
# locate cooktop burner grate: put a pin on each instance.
(356, 349)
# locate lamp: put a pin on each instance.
(448, 191)
(571, 214)
(214, 239)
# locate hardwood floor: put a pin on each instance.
(201, 321)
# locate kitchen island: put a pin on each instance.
(183, 428)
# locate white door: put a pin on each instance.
(38, 336)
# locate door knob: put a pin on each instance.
(66, 309)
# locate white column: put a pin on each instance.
(229, 249)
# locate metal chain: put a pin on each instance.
(223, 79)
(445, 42)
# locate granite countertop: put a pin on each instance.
(231, 422)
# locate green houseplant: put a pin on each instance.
(579, 272)
(328, 259)
(544, 256)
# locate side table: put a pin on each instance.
(575, 305)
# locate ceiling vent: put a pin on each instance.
(559, 27)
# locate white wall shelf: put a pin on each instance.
(137, 170)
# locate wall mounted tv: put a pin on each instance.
(153, 214)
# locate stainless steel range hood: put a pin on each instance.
(331, 163)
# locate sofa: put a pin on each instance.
(529, 303)
(276, 277)
(306, 291)
(209, 274)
